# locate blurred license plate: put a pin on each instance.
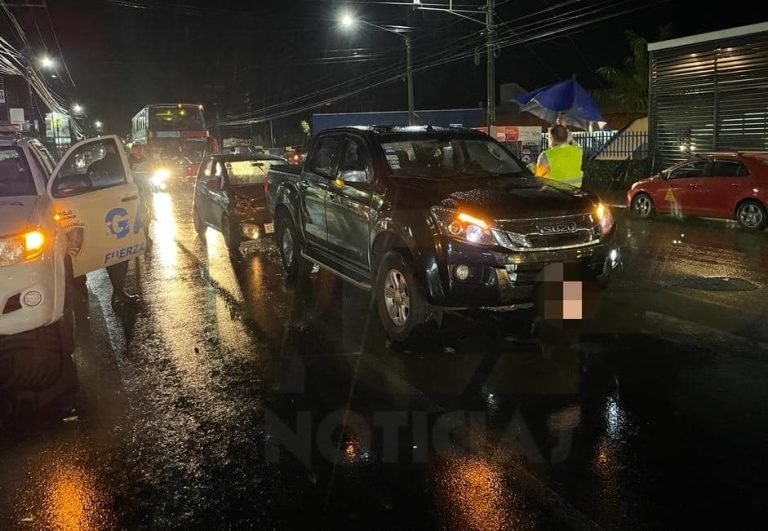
(269, 228)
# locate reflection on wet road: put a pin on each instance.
(234, 398)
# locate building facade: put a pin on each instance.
(708, 92)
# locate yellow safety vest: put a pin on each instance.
(565, 164)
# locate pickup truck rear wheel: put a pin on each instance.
(200, 227)
(231, 234)
(400, 301)
(289, 244)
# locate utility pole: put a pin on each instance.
(490, 31)
(409, 76)
(32, 128)
(490, 35)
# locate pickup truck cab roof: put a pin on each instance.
(407, 130)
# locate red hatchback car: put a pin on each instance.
(715, 185)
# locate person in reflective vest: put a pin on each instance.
(562, 161)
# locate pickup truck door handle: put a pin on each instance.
(735, 185)
(129, 198)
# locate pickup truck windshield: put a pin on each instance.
(438, 158)
(15, 178)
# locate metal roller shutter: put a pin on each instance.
(709, 96)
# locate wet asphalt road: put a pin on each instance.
(232, 398)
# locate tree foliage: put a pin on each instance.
(629, 84)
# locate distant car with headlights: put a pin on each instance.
(229, 196)
(728, 185)
(165, 174)
(57, 223)
(433, 220)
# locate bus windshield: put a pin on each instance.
(173, 148)
(185, 118)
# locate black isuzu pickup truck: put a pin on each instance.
(433, 219)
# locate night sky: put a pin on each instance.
(239, 56)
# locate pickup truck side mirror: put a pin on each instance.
(213, 184)
(353, 176)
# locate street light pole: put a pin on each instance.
(409, 77)
(348, 21)
(32, 106)
(491, 69)
(490, 48)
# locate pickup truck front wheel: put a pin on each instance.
(288, 243)
(400, 302)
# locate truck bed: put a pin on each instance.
(277, 175)
(290, 169)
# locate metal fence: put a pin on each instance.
(609, 145)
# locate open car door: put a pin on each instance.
(97, 204)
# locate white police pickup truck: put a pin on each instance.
(57, 224)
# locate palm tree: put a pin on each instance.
(629, 90)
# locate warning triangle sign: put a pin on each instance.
(670, 196)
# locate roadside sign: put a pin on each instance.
(2, 95)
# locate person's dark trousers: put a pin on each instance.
(117, 275)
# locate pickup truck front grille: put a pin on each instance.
(559, 240)
(551, 233)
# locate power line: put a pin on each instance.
(470, 42)
(551, 29)
(58, 46)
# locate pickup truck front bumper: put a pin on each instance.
(464, 276)
(30, 296)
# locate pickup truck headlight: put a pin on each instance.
(160, 175)
(463, 226)
(21, 248)
(604, 218)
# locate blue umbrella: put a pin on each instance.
(567, 98)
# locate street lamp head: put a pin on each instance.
(98, 124)
(347, 20)
(47, 62)
(77, 108)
